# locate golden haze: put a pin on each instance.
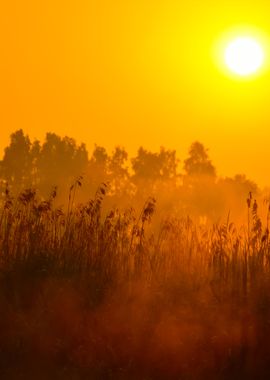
(134, 73)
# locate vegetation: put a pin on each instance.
(182, 187)
(92, 295)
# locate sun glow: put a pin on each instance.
(244, 56)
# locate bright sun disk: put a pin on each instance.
(244, 56)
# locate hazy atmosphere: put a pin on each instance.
(123, 73)
(134, 190)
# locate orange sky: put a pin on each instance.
(134, 73)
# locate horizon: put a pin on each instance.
(136, 74)
(181, 155)
(134, 190)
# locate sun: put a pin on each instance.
(244, 56)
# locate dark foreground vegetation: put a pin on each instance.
(92, 295)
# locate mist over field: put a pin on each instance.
(134, 190)
(118, 267)
(186, 186)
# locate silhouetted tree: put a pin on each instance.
(146, 166)
(198, 163)
(155, 174)
(97, 168)
(233, 193)
(152, 167)
(199, 192)
(59, 161)
(118, 173)
(17, 163)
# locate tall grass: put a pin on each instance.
(87, 295)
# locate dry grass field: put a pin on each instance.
(90, 296)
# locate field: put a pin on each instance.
(91, 295)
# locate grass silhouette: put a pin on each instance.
(90, 296)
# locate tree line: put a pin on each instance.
(191, 186)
